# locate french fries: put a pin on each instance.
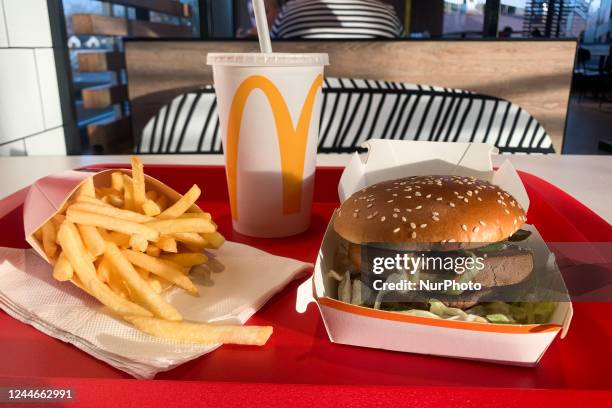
(186, 259)
(181, 205)
(125, 245)
(138, 243)
(111, 212)
(72, 246)
(128, 193)
(92, 239)
(167, 244)
(153, 250)
(138, 183)
(117, 181)
(214, 239)
(48, 240)
(141, 290)
(62, 271)
(166, 227)
(151, 208)
(166, 269)
(202, 333)
(111, 223)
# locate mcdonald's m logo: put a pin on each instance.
(292, 141)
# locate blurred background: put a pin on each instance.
(63, 80)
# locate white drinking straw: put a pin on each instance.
(261, 20)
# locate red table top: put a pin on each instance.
(299, 359)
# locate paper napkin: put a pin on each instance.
(237, 281)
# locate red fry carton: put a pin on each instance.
(50, 195)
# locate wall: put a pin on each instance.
(30, 112)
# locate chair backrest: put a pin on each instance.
(535, 75)
(356, 110)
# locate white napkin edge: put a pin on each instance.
(140, 369)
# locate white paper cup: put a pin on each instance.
(269, 107)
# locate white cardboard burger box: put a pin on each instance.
(361, 326)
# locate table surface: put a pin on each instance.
(586, 178)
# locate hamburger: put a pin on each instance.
(450, 215)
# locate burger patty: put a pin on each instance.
(504, 268)
(501, 268)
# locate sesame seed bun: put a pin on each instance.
(429, 209)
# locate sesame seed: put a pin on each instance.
(369, 205)
(435, 218)
(413, 235)
(476, 228)
(404, 219)
(389, 201)
(408, 197)
(428, 196)
(455, 193)
(439, 199)
(356, 210)
(469, 193)
(499, 201)
(423, 225)
(395, 215)
(395, 231)
(479, 199)
(355, 215)
(412, 225)
(452, 240)
(466, 200)
(451, 204)
(515, 221)
(418, 194)
(512, 203)
(394, 195)
(482, 223)
(408, 209)
(506, 210)
(418, 207)
(460, 197)
(475, 191)
(383, 218)
(396, 210)
(435, 213)
(464, 227)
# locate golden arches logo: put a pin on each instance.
(292, 141)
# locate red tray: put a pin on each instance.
(299, 364)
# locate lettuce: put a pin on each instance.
(515, 312)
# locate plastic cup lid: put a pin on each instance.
(257, 59)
